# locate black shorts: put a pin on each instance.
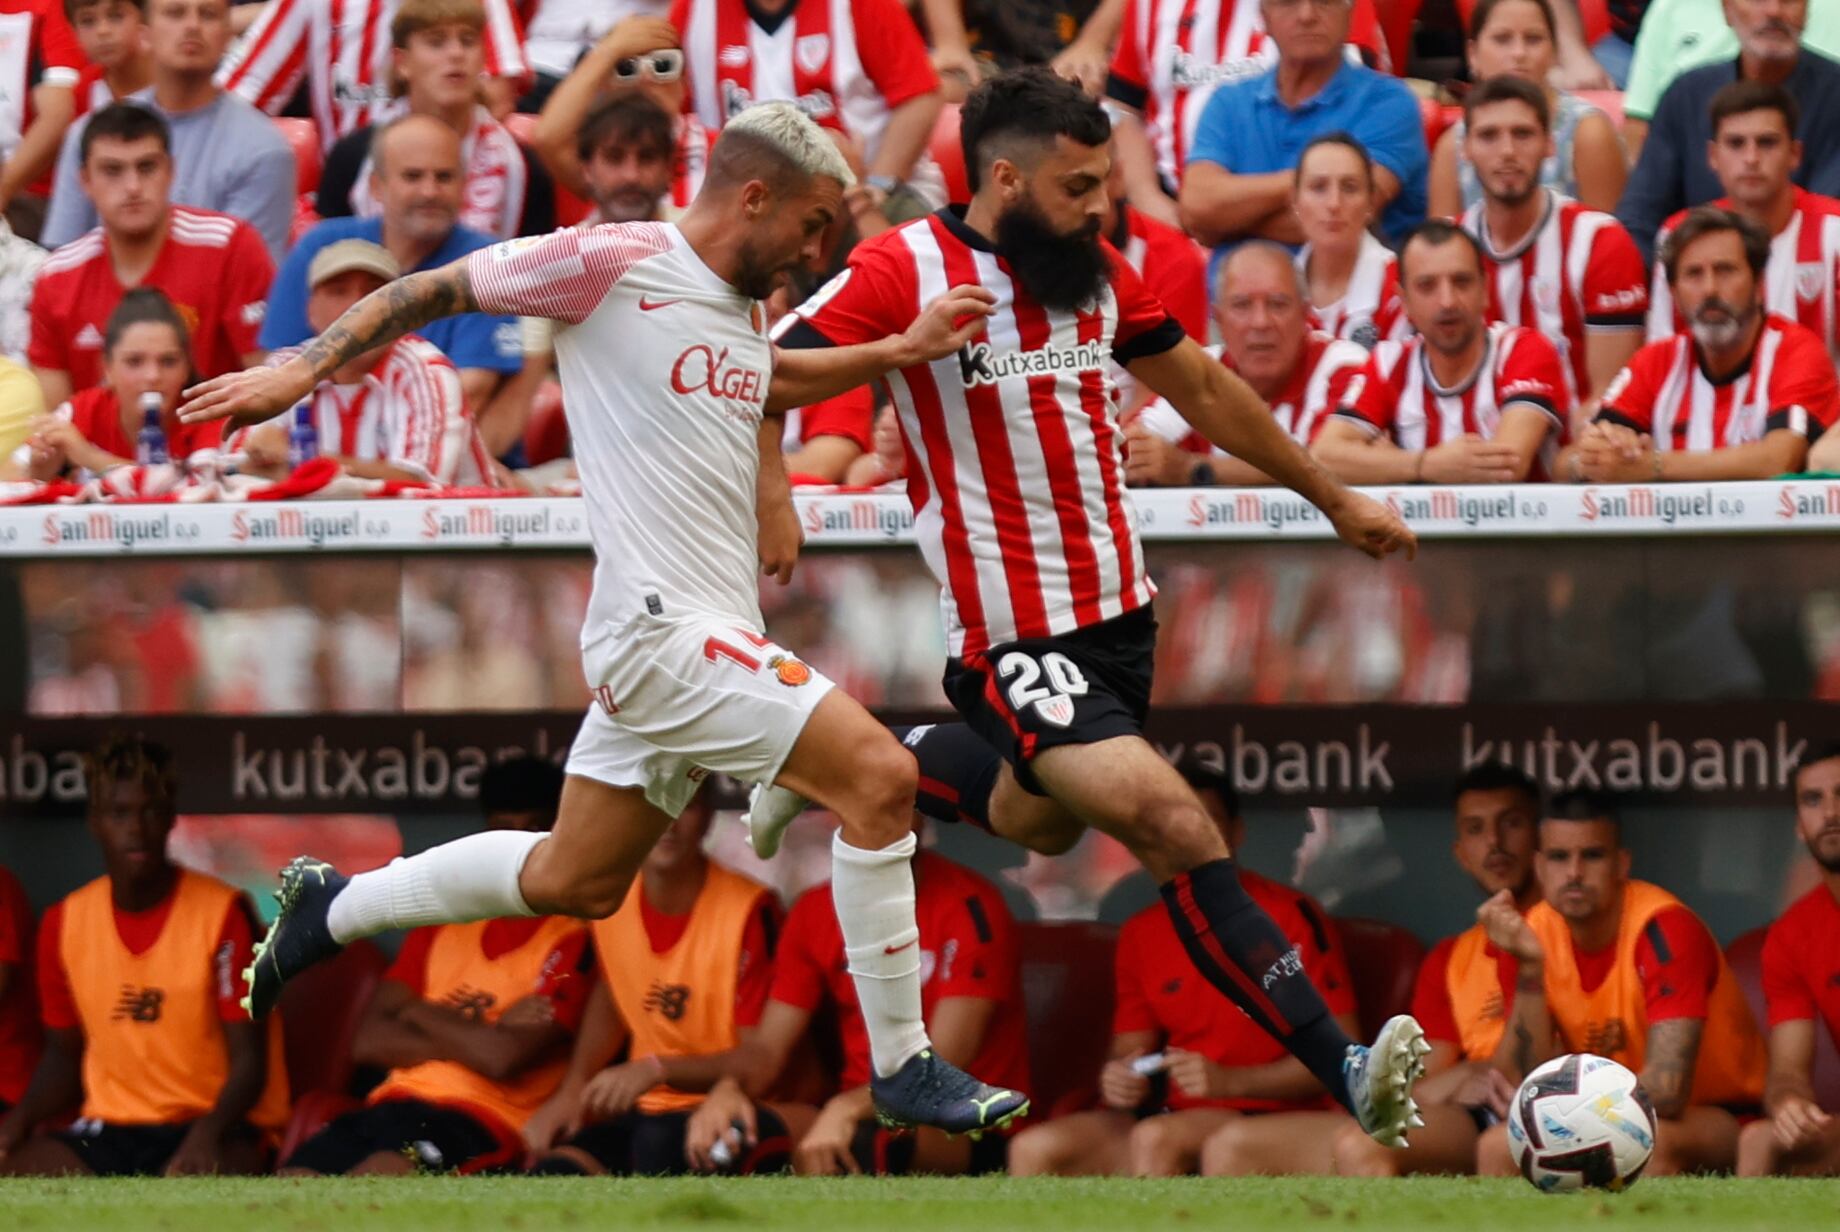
(1029, 696)
(439, 1138)
(131, 1150)
(881, 1153)
(645, 1144)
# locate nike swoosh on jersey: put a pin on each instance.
(647, 305)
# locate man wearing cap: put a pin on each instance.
(416, 176)
(395, 412)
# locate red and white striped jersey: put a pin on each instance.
(1397, 396)
(1788, 384)
(37, 47)
(1576, 271)
(342, 48)
(1174, 267)
(1370, 311)
(408, 411)
(1013, 461)
(1173, 54)
(846, 63)
(1317, 387)
(694, 142)
(1799, 282)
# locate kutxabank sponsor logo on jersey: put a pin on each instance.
(982, 364)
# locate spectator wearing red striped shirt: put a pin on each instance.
(1556, 265)
(1739, 395)
(395, 412)
(39, 65)
(1300, 372)
(1754, 152)
(1463, 401)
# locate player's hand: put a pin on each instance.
(947, 324)
(781, 537)
(532, 1011)
(614, 1091)
(714, 1120)
(1122, 1087)
(197, 1154)
(1084, 65)
(1508, 928)
(552, 1122)
(1194, 1075)
(1152, 462)
(1364, 523)
(249, 396)
(1484, 1087)
(1470, 459)
(825, 1149)
(1798, 1122)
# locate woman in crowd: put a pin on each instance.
(145, 349)
(1351, 278)
(1515, 38)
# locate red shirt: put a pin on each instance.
(213, 267)
(139, 930)
(568, 971)
(96, 413)
(1665, 392)
(1576, 272)
(1171, 264)
(1677, 959)
(1160, 991)
(37, 47)
(968, 948)
(847, 63)
(1397, 396)
(1431, 994)
(20, 1039)
(1013, 467)
(1801, 962)
(754, 969)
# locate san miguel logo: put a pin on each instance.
(293, 525)
(122, 529)
(833, 517)
(1803, 502)
(980, 364)
(1646, 504)
(1273, 512)
(505, 523)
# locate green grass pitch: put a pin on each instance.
(440, 1204)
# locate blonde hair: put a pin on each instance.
(794, 137)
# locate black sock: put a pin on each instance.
(958, 771)
(1248, 958)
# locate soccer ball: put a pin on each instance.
(1581, 1122)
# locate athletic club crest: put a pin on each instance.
(1808, 280)
(1545, 295)
(811, 51)
(1057, 710)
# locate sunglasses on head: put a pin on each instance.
(665, 64)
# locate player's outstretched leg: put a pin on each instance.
(581, 868)
(850, 764)
(1124, 787)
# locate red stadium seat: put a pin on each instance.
(950, 156)
(1067, 990)
(1745, 954)
(320, 1010)
(1437, 117)
(303, 139)
(546, 432)
(1383, 959)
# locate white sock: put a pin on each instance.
(472, 878)
(874, 895)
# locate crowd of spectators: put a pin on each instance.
(1590, 223)
(704, 1027)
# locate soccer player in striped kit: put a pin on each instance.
(661, 339)
(1022, 514)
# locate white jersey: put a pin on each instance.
(664, 370)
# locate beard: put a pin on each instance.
(1516, 192)
(755, 277)
(628, 203)
(1724, 333)
(1063, 273)
(1828, 859)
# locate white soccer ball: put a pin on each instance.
(1581, 1122)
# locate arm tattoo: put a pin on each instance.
(1673, 1050)
(388, 313)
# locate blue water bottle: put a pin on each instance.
(150, 447)
(303, 436)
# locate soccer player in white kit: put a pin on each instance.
(671, 388)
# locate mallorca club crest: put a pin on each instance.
(789, 671)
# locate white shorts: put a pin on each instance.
(677, 698)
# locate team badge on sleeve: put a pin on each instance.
(790, 671)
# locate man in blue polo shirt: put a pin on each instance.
(1237, 185)
(416, 177)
